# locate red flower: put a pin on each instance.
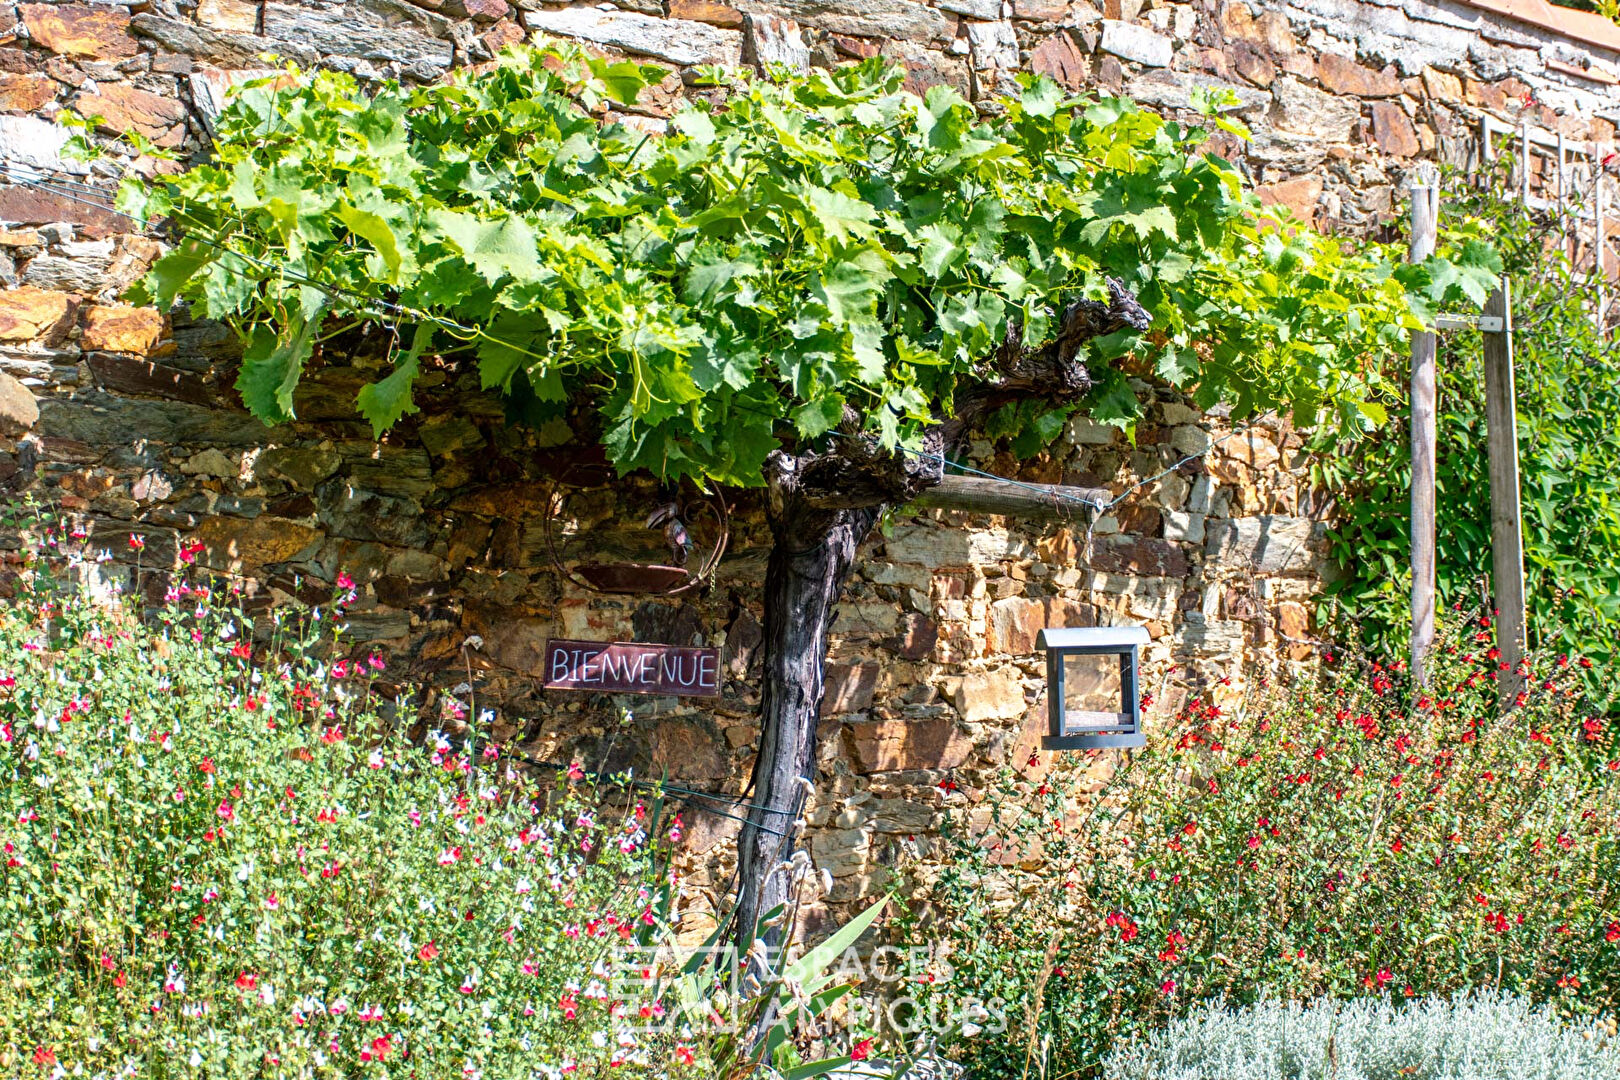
(44, 1055)
(427, 952)
(189, 551)
(1613, 933)
(575, 772)
(136, 542)
(861, 1050)
(684, 1055)
(241, 650)
(246, 981)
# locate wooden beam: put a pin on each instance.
(1507, 540)
(1029, 502)
(1425, 222)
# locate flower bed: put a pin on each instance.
(1351, 836)
(221, 859)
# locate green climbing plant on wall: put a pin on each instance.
(1567, 377)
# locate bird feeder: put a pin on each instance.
(1091, 687)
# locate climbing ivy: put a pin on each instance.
(813, 245)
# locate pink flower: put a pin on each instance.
(344, 581)
(225, 811)
(376, 662)
(190, 550)
(1167, 987)
(575, 772)
(272, 901)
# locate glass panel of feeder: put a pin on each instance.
(1092, 695)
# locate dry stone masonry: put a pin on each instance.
(124, 417)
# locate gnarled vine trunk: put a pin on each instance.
(821, 506)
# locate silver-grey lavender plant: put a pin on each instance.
(1481, 1035)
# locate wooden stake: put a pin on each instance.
(1507, 540)
(1425, 223)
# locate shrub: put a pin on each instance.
(1339, 837)
(220, 860)
(1477, 1036)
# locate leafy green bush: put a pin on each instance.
(1480, 1036)
(220, 860)
(1568, 386)
(1352, 836)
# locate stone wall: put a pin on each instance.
(125, 417)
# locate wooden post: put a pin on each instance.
(1425, 222)
(1597, 233)
(1524, 164)
(1502, 440)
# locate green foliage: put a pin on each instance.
(1343, 838)
(820, 242)
(1568, 388)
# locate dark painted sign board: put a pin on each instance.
(632, 667)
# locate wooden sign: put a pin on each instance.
(632, 667)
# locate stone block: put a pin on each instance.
(233, 16)
(1130, 41)
(216, 47)
(1343, 75)
(445, 435)
(376, 31)
(301, 466)
(1253, 448)
(1140, 555)
(1014, 624)
(908, 745)
(252, 543)
(38, 144)
(1266, 544)
(1253, 65)
(925, 67)
(1084, 431)
(99, 32)
(120, 328)
(1442, 86)
(678, 41)
(32, 314)
(19, 412)
(1392, 130)
(1299, 195)
(1190, 439)
(687, 750)
(772, 40)
(993, 45)
(26, 93)
(902, 816)
(1060, 58)
(848, 688)
(1305, 110)
(135, 375)
(1062, 612)
(996, 694)
(917, 637)
(840, 852)
(1270, 31)
(1188, 528)
(862, 617)
(706, 11)
(1211, 638)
